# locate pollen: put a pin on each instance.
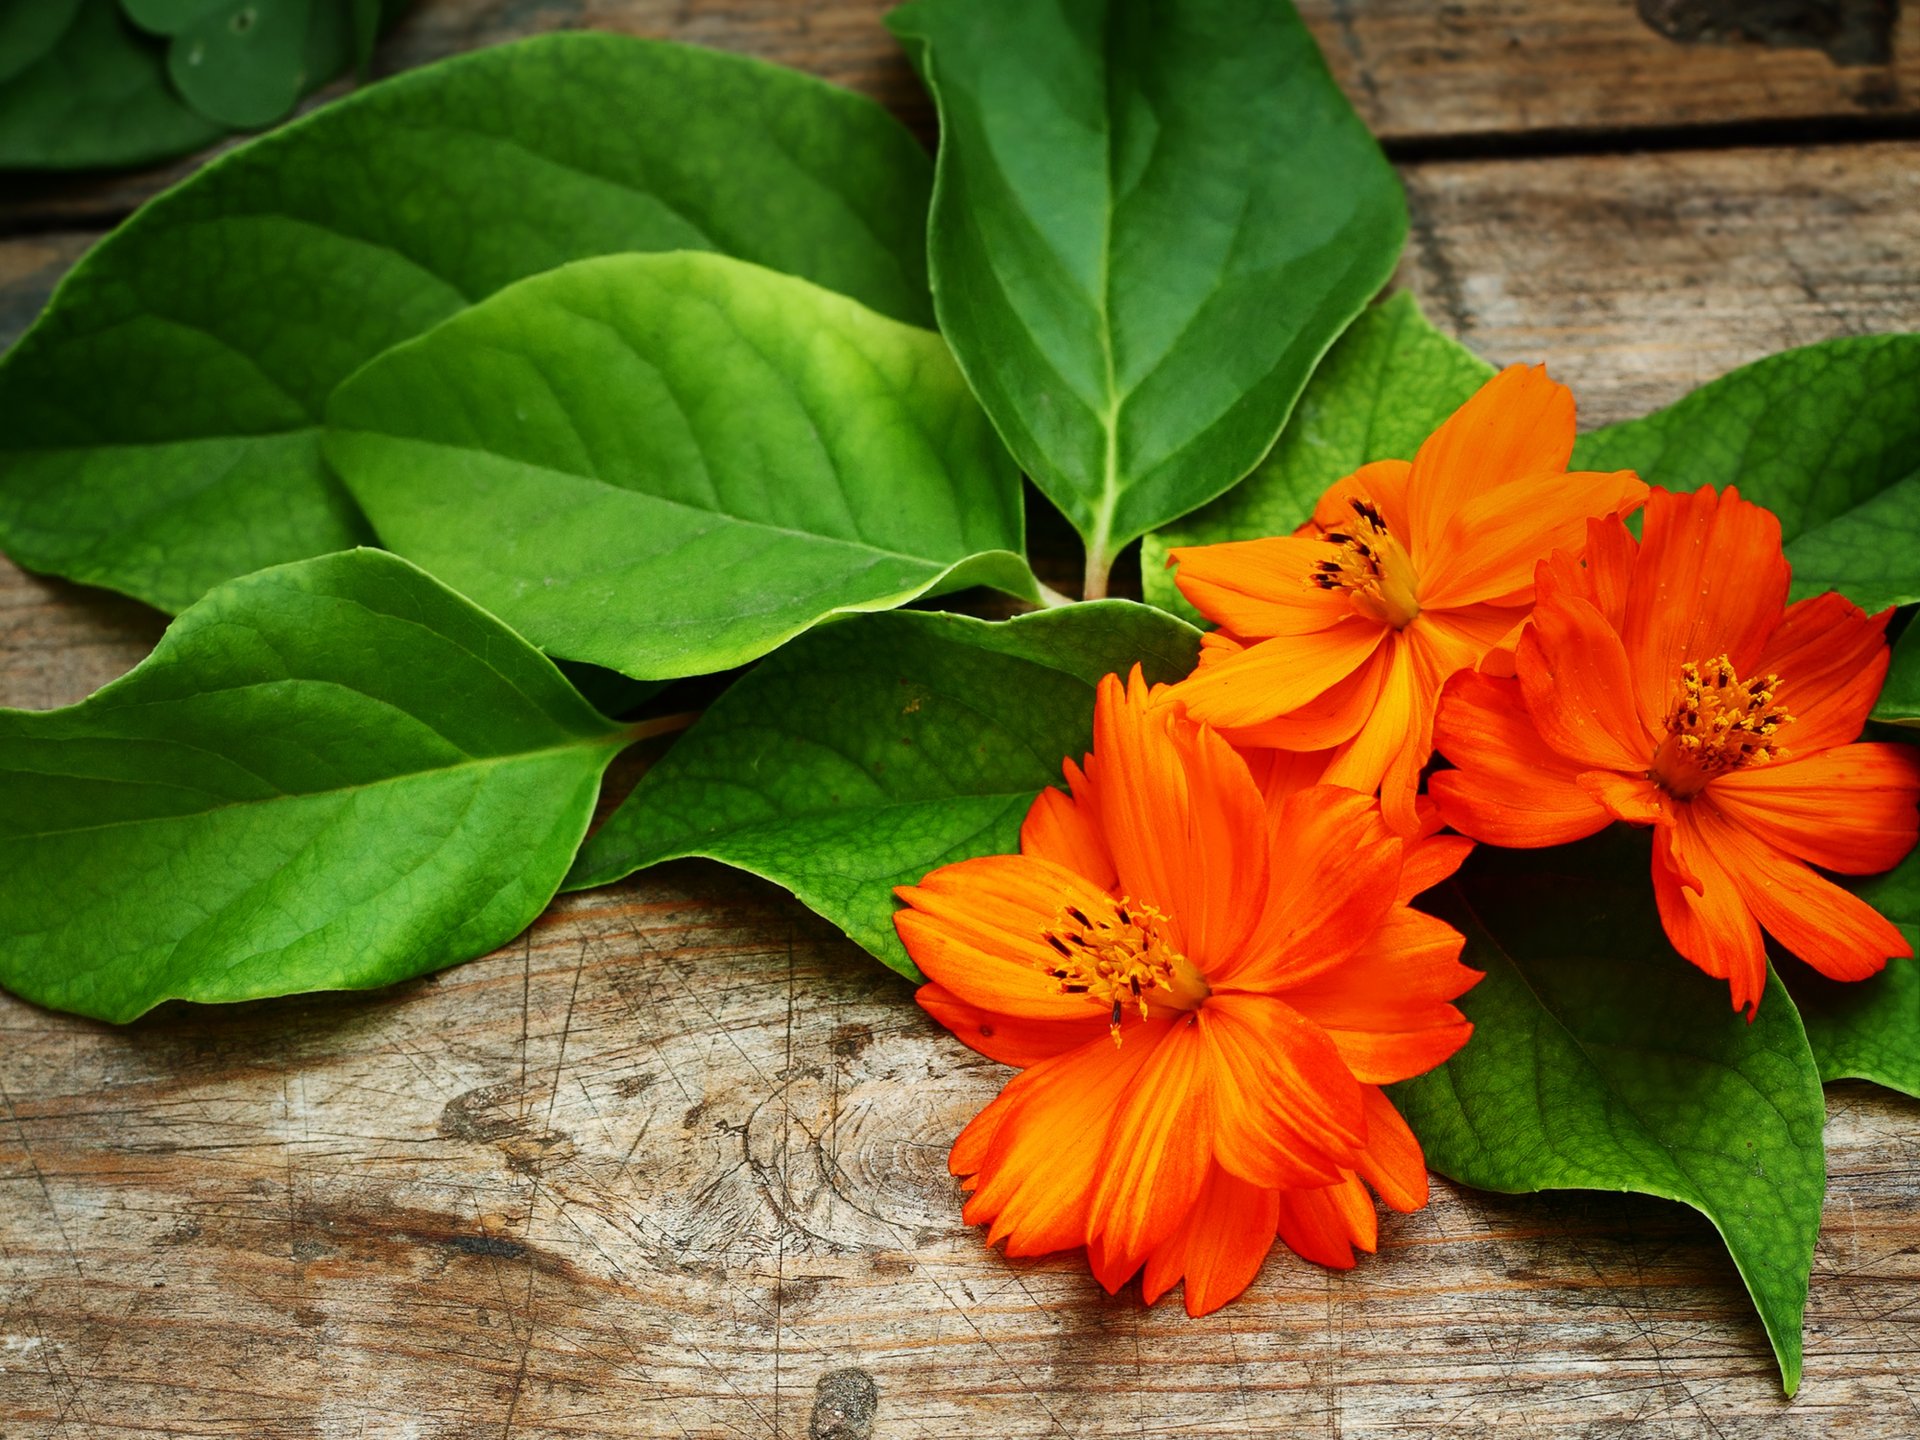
(1372, 566)
(1718, 723)
(1118, 957)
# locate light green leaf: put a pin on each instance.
(880, 747)
(163, 416)
(1899, 702)
(1150, 221)
(96, 95)
(670, 464)
(1602, 1060)
(331, 775)
(1386, 385)
(1827, 437)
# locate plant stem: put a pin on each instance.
(1099, 563)
(660, 725)
(1052, 599)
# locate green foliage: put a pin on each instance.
(1385, 386)
(1602, 1060)
(244, 63)
(331, 775)
(81, 88)
(1149, 222)
(1899, 702)
(162, 417)
(670, 464)
(1826, 436)
(880, 747)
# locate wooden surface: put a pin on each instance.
(673, 1164)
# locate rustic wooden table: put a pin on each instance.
(673, 1163)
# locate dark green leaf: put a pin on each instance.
(1899, 702)
(1150, 221)
(247, 62)
(1827, 437)
(1385, 386)
(162, 418)
(670, 464)
(331, 775)
(96, 96)
(880, 747)
(1602, 1060)
(29, 31)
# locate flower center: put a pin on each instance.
(1718, 723)
(1117, 958)
(1373, 567)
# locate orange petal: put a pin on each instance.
(1325, 1225)
(1578, 689)
(1602, 572)
(1836, 932)
(1510, 788)
(1220, 1246)
(1158, 1152)
(1038, 1154)
(1429, 861)
(1382, 484)
(1710, 581)
(1286, 1110)
(1281, 773)
(1703, 911)
(1007, 1038)
(1849, 809)
(1392, 1163)
(1632, 798)
(1491, 547)
(1364, 762)
(1519, 424)
(1386, 1008)
(1065, 829)
(978, 927)
(1334, 875)
(1183, 821)
(1274, 677)
(1328, 719)
(1260, 588)
(1831, 658)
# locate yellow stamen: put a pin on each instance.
(1373, 567)
(1117, 957)
(1718, 723)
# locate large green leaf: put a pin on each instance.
(330, 775)
(1827, 437)
(1602, 1060)
(670, 464)
(243, 63)
(1385, 386)
(880, 747)
(81, 88)
(1150, 220)
(1899, 702)
(162, 417)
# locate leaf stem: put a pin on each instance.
(660, 725)
(1099, 564)
(1050, 598)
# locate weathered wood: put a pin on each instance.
(1418, 71)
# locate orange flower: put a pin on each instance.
(1341, 636)
(1204, 996)
(1668, 683)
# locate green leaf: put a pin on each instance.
(331, 775)
(1602, 1060)
(247, 62)
(1870, 1029)
(96, 95)
(1149, 222)
(163, 416)
(670, 464)
(880, 747)
(1385, 386)
(1899, 702)
(1827, 437)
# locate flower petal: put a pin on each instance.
(1274, 677)
(1007, 1038)
(1511, 788)
(1849, 809)
(1220, 1246)
(1710, 581)
(1392, 1162)
(1518, 424)
(1429, 861)
(1836, 932)
(1364, 762)
(1381, 484)
(1577, 686)
(1286, 1110)
(1327, 720)
(1490, 548)
(1602, 572)
(1260, 588)
(1831, 657)
(1065, 829)
(1703, 911)
(1632, 798)
(1325, 1225)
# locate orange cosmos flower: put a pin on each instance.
(1668, 683)
(1341, 636)
(1204, 996)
